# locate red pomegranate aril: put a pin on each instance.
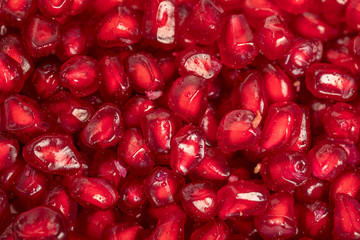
(303, 53)
(45, 81)
(160, 212)
(55, 154)
(158, 127)
(12, 46)
(341, 122)
(213, 168)
(311, 26)
(11, 77)
(354, 46)
(209, 124)
(277, 84)
(314, 220)
(73, 40)
(54, 8)
(187, 98)
(162, 186)
(145, 75)
(107, 165)
(24, 118)
(346, 217)
(69, 112)
(284, 171)
(274, 38)
(312, 190)
(187, 149)
(114, 86)
(238, 130)
(4, 212)
(135, 108)
(128, 231)
(333, 11)
(40, 223)
(78, 6)
(282, 126)
(199, 62)
(80, 75)
(15, 12)
(249, 93)
(294, 6)
(105, 127)
(352, 14)
(327, 160)
(304, 140)
(278, 221)
(213, 230)
(236, 43)
(132, 197)
(9, 150)
(9, 174)
(136, 153)
(159, 26)
(58, 198)
(119, 27)
(30, 184)
(242, 198)
(199, 201)
(41, 36)
(204, 22)
(92, 222)
(93, 192)
(348, 182)
(170, 227)
(256, 11)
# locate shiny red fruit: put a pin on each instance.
(213, 230)
(313, 189)
(123, 230)
(170, 227)
(256, 11)
(135, 108)
(15, 12)
(54, 8)
(348, 182)
(9, 150)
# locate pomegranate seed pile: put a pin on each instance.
(179, 119)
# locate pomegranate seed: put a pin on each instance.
(4, 210)
(294, 6)
(105, 128)
(54, 154)
(187, 98)
(278, 220)
(285, 170)
(327, 160)
(80, 75)
(352, 14)
(78, 6)
(162, 186)
(256, 11)
(236, 43)
(9, 150)
(15, 12)
(170, 227)
(135, 108)
(159, 26)
(187, 149)
(145, 75)
(345, 183)
(120, 27)
(354, 46)
(54, 8)
(212, 230)
(41, 36)
(199, 201)
(242, 198)
(238, 130)
(274, 38)
(313, 189)
(8, 175)
(107, 165)
(346, 215)
(209, 124)
(123, 231)
(40, 222)
(93, 192)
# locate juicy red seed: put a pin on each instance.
(278, 220)
(242, 198)
(187, 98)
(354, 46)
(274, 38)
(294, 6)
(9, 150)
(145, 75)
(297, 170)
(54, 154)
(209, 124)
(348, 182)
(236, 43)
(170, 227)
(187, 149)
(256, 11)
(16, 12)
(332, 82)
(313, 189)
(134, 109)
(213, 228)
(327, 160)
(80, 75)
(162, 186)
(199, 201)
(123, 231)
(352, 14)
(238, 130)
(41, 36)
(54, 8)
(93, 192)
(105, 128)
(120, 27)
(41, 223)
